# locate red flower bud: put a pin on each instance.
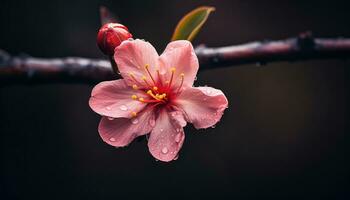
(110, 36)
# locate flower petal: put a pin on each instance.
(132, 57)
(166, 138)
(180, 55)
(113, 99)
(203, 106)
(120, 132)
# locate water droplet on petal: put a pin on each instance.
(110, 118)
(161, 130)
(134, 121)
(112, 139)
(213, 126)
(173, 114)
(176, 157)
(165, 150)
(152, 122)
(123, 107)
(178, 137)
(108, 108)
(195, 78)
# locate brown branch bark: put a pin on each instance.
(19, 70)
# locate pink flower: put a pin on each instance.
(156, 96)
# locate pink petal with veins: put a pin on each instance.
(113, 99)
(203, 106)
(132, 57)
(121, 131)
(166, 138)
(180, 55)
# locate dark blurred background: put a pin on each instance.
(282, 137)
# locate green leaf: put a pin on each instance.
(191, 23)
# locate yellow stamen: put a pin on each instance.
(149, 92)
(144, 78)
(133, 78)
(141, 99)
(155, 88)
(173, 69)
(134, 87)
(149, 73)
(162, 96)
(182, 76)
(133, 114)
(134, 97)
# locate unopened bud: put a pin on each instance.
(110, 36)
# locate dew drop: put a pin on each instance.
(123, 108)
(108, 108)
(165, 150)
(195, 78)
(178, 137)
(213, 126)
(161, 130)
(134, 121)
(176, 157)
(110, 118)
(112, 139)
(152, 122)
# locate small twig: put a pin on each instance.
(303, 47)
(17, 69)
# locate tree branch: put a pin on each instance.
(24, 69)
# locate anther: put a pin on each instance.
(144, 78)
(149, 73)
(134, 87)
(133, 114)
(134, 97)
(155, 88)
(133, 78)
(141, 99)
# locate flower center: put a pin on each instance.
(158, 92)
